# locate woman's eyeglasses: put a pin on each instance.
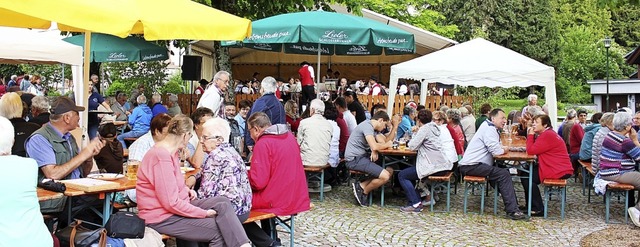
(206, 138)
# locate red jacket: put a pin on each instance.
(458, 138)
(552, 155)
(575, 138)
(305, 76)
(344, 132)
(276, 176)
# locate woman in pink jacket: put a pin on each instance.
(169, 206)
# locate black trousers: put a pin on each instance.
(260, 237)
(308, 94)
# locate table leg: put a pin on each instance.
(384, 165)
(69, 207)
(530, 188)
(106, 208)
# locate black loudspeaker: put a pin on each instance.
(191, 68)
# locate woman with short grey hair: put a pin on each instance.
(22, 223)
(40, 110)
(619, 156)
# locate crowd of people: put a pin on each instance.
(221, 140)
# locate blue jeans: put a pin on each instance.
(130, 134)
(92, 131)
(405, 178)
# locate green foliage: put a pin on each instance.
(627, 20)
(52, 77)
(419, 13)
(7, 70)
(175, 85)
(120, 86)
(150, 74)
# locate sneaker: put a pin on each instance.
(634, 213)
(357, 192)
(517, 216)
(365, 200)
(430, 202)
(412, 209)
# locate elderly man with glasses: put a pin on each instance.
(213, 97)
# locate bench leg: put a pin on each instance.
(495, 198)
(584, 179)
(448, 194)
(466, 192)
(546, 200)
(432, 185)
(626, 204)
(607, 201)
(322, 186)
(483, 189)
(564, 199)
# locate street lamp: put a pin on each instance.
(607, 45)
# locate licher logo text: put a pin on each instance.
(117, 56)
(310, 48)
(151, 56)
(335, 37)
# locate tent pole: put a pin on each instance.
(318, 67)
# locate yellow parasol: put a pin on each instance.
(155, 19)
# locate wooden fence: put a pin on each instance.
(189, 102)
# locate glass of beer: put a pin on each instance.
(132, 169)
(402, 145)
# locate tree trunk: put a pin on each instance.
(222, 62)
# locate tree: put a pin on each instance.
(52, 77)
(130, 74)
(419, 13)
(627, 20)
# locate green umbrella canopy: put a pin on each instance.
(335, 33)
(108, 48)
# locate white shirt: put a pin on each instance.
(21, 223)
(403, 90)
(139, 148)
(211, 99)
(350, 119)
(447, 143)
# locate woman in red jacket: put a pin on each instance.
(553, 160)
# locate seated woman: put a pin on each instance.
(21, 223)
(431, 159)
(223, 171)
(619, 156)
(455, 128)
(553, 160)
(440, 119)
(168, 206)
(292, 117)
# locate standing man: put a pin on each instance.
(276, 176)
(95, 83)
(478, 161)
(12, 82)
(362, 153)
(533, 101)
(341, 105)
(307, 77)
(268, 104)
(213, 97)
(25, 84)
(376, 89)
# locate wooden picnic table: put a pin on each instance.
(519, 157)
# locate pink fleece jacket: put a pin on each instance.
(160, 188)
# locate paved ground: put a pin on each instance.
(339, 222)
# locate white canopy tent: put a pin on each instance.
(476, 63)
(24, 46)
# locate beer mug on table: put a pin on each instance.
(132, 169)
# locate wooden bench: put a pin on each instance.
(443, 181)
(558, 187)
(587, 177)
(126, 206)
(253, 217)
(619, 189)
(473, 182)
(317, 172)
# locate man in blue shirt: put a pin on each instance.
(269, 104)
(56, 150)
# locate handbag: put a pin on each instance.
(76, 235)
(125, 225)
